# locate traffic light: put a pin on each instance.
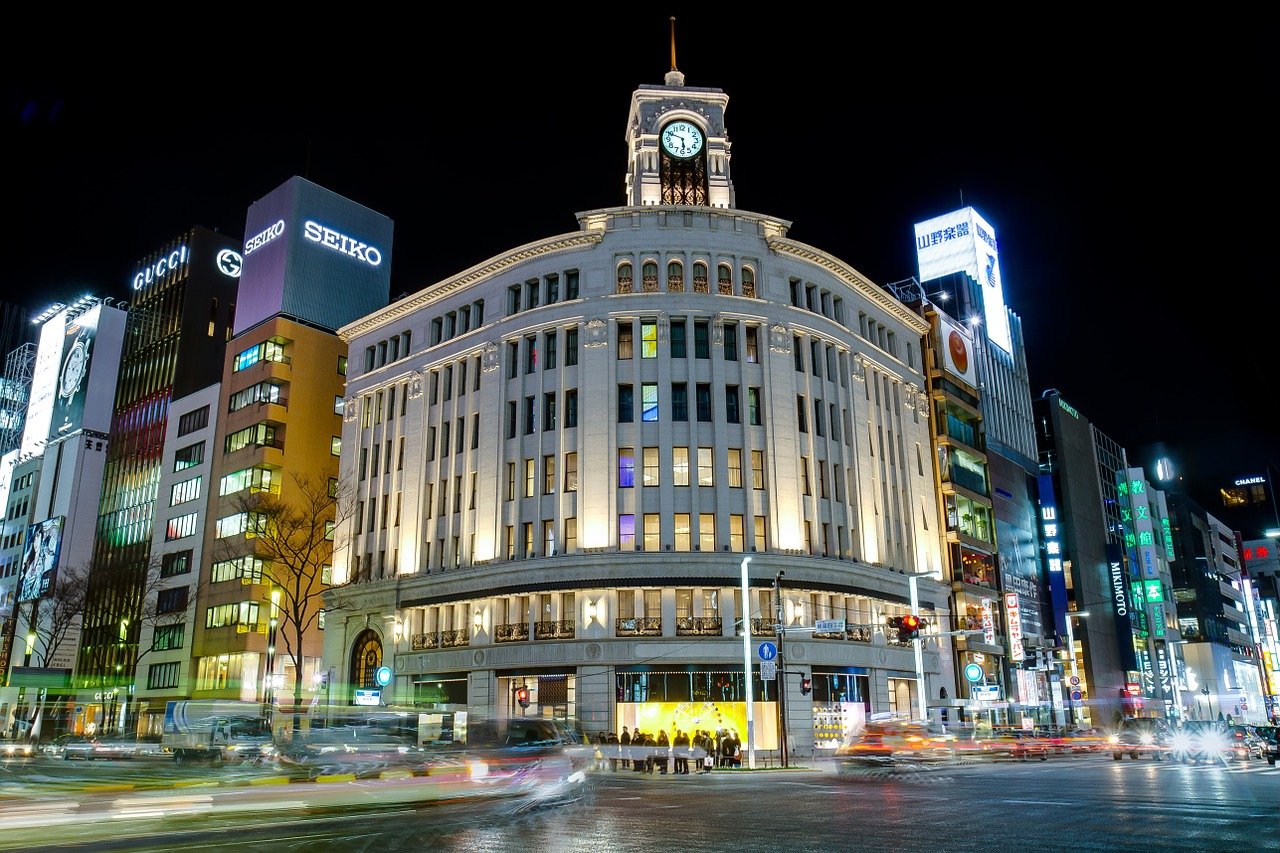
(522, 696)
(806, 685)
(910, 627)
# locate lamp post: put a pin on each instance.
(746, 666)
(1071, 652)
(918, 644)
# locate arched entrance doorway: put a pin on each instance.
(366, 657)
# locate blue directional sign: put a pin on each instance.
(383, 675)
(767, 651)
(973, 672)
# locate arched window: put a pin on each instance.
(366, 657)
(748, 282)
(700, 278)
(725, 279)
(675, 277)
(649, 281)
(624, 277)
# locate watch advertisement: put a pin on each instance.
(73, 375)
(40, 559)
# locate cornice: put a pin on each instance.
(485, 269)
(851, 277)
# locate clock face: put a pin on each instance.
(73, 370)
(682, 139)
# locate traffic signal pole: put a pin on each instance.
(922, 692)
(782, 669)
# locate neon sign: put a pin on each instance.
(317, 233)
(263, 237)
(162, 267)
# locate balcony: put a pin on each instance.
(512, 632)
(854, 633)
(699, 626)
(761, 627)
(554, 630)
(453, 639)
(421, 642)
(639, 626)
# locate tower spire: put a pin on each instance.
(674, 77)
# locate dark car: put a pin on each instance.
(1269, 736)
(1138, 738)
(527, 757)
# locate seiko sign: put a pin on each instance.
(263, 237)
(162, 267)
(349, 246)
(1118, 587)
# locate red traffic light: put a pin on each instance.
(522, 696)
(806, 685)
(911, 622)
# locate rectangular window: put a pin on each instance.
(682, 528)
(731, 404)
(571, 347)
(626, 533)
(679, 401)
(513, 299)
(570, 535)
(529, 416)
(549, 474)
(174, 564)
(342, 365)
(161, 676)
(259, 435)
(462, 389)
(335, 445)
(530, 476)
(444, 438)
(511, 481)
(648, 340)
(651, 466)
(571, 471)
(804, 476)
(548, 538)
(475, 436)
(680, 466)
(735, 468)
(192, 421)
(757, 469)
(677, 339)
(571, 284)
(257, 479)
(626, 404)
(549, 411)
(168, 637)
(189, 456)
(801, 414)
(652, 532)
(649, 402)
(553, 288)
(753, 406)
(818, 425)
(815, 358)
(264, 392)
(730, 341)
(706, 531)
(701, 339)
(753, 344)
(625, 343)
(530, 354)
(266, 351)
(187, 490)
(182, 526)
(760, 543)
(513, 362)
(626, 467)
(513, 414)
(703, 394)
(736, 533)
(376, 456)
(706, 466)
(172, 600)
(549, 350)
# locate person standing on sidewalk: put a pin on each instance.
(681, 744)
(664, 746)
(625, 741)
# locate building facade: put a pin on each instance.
(563, 457)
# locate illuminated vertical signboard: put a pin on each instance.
(40, 559)
(44, 383)
(957, 350)
(1051, 541)
(73, 374)
(962, 241)
(1121, 605)
(988, 623)
(1014, 614)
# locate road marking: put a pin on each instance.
(1033, 802)
(337, 777)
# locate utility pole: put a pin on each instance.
(746, 665)
(782, 667)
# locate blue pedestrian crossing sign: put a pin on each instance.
(767, 651)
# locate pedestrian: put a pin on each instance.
(726, 750)
(737, 748)
(664, 746)
(681, 744)
(614, 749)
(708, 745)
(625, 742)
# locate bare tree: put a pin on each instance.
(61, 609)
(293, 536)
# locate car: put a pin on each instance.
(89, 748)
(17, 749)
(1200, 741)
(524, 757)
(1270, 737)
(1244, 743)
(1080, 742)
(889, 743)
(1137, 738)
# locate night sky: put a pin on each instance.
(1115, 163)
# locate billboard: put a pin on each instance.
(73, 374)
(44, 382)
(1118, 579)
(40, 558)
(962, 241)
(957, 350)
(1051, 537)
(315, 255)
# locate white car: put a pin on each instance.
(17, 749)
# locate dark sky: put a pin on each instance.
(1115, 162)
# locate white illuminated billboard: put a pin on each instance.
(962, 241)
(44, 384)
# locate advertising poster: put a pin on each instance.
(40, 559)
(73, 375)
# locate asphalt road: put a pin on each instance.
(1067, 804)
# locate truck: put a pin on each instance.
(216, 732)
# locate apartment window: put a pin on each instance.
(731, 404)
(735, 468)
(176, 563)
(677, 339)
(549, 411)
(757, 469)
(263, 392)
(701, 339)
(801, 414)
(679, 401)
(549, 348)
(706, 466)
(753, 344)
(649, 402)
(571, 471)
(271, 350)
(626, 405)
(187, 490)
(680, 466)
(339, 404)
(652, 532)
(548, 474)
(706, 531)
(703, 395)
(753, 406)
(530, 476)
(173, 600)
(571, 347)
(168, 637)
(571, 408)
(342, 365)
(162, 676)
(528, 416)
(730, 341)
(626, 532)
(182, 526)
(626, 467)
(650, 466)
(625, 332)
(192, 421)
(189, 456)
(648, 340)
(682, 528)
(335, 445)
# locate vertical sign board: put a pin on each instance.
(988, 623)
(1051, 540)
(1117, 581)
(40, 559)
(962, 241)
(73, 374)
(1014, 614)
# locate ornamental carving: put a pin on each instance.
(597, 334)
(860, 367)
(415, 385)
(780, 339)
(350, 409)
(490, 361)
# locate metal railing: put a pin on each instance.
(639, 626)
(511, 632)
(452, 639)
(553, 630)
(418, 642)
(699, 626)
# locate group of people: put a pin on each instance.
(723, 748)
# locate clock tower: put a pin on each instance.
(678, 151)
